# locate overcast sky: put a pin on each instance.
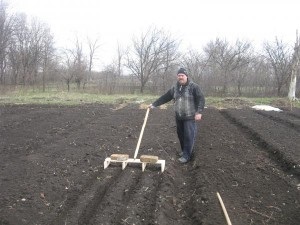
(195, 22)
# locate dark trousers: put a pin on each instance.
(186, 131)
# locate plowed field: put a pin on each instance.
(51, 167)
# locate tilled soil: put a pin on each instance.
(51, 161)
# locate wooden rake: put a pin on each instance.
(144, 159)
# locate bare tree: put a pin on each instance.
(47, 54)
(79, 64)
(28, 44)
(149, 54)
(67, 67)
(295, 69)
(14, 61)
(6, 33)
(280, 58)
(109, 79)
(196, 64)
(35, 38)
(114, 71)
(93, 46)
(120, 56)
(23, 46)
(241, 74)
(227, 59)
(74, 65)
(242, 62)
(170, 57)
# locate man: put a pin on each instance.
(188, 104)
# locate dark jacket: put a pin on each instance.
(188, 100)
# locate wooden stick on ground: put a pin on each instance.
(264, 215)
(224, 209)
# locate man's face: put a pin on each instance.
(182, 78)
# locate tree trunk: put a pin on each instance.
(295, 66)
(239, 90)
(43, 80)
(68, 84)
(142, 89)
(292, 89)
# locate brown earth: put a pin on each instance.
(51, 163)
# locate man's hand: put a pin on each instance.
(151, 106)
(198, 116)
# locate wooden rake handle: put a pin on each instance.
(224, 209)
(141, 134)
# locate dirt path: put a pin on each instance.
(51, 161)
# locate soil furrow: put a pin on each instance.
(123, 199)
(84, 201)
(295, 113)
(107, 196)
(287, 162)
(277, 118)
(228, 163)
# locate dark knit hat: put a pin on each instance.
(182, 70)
